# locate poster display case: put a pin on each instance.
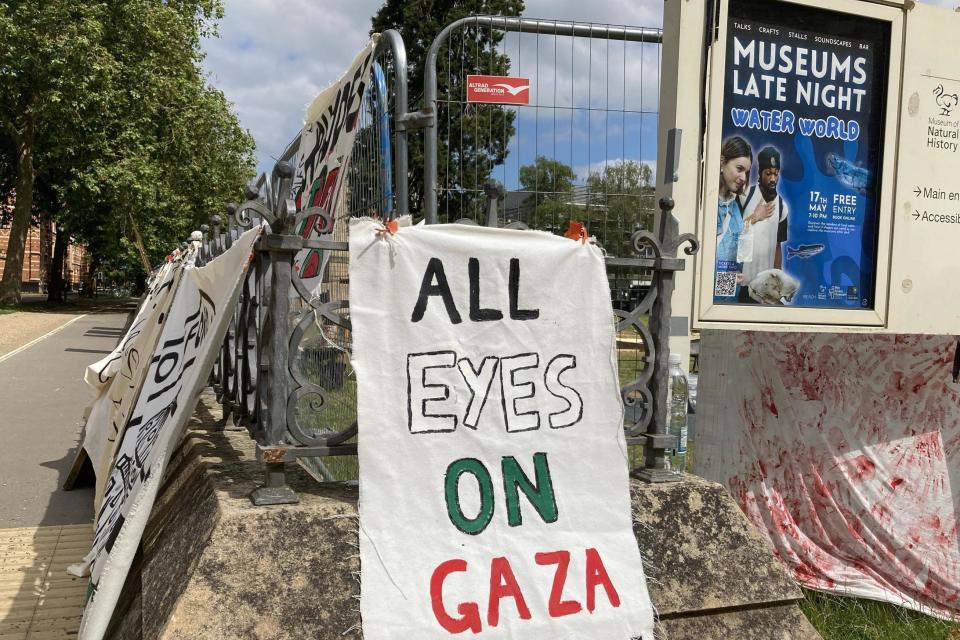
(801, 146)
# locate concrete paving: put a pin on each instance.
(38, 599)
(42, 398)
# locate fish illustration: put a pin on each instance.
(805, 250)
(847, 173)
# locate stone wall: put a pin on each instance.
(213, 566)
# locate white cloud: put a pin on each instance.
(272, 58)
(642, 13)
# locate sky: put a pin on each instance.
(272, 57)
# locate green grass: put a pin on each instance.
(339, 413)
(842, 618)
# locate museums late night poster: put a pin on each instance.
(801, 154)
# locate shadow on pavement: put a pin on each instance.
(101, 304)
(38, 598)
(69, 507)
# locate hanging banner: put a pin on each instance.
(804, 107)
(118, 377)
(100, 374)
(494, 492)
(326, 142)
(190, 337)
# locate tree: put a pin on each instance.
(7, 178)
(546, 177)
(52, 65)
(113, 127)
(624, 192)
(472, 139)
(551, 204)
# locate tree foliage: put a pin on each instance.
(550, 204)
(546, 177)
(111, 123)
(471, 140)
(615, 201)
(623, 191)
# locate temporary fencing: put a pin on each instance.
(295, 392)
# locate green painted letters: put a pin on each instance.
(452, 494)
(541, 495)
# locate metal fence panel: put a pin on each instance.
(582, 149)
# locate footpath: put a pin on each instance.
(43, 353)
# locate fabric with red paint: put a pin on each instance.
(840, 450)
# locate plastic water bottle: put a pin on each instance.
(677, 425)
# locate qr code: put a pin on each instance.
(726, 283)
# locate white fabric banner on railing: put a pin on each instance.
(494, 493)
(118, 377)
(99, 374)
(190, 338)
(326, 143)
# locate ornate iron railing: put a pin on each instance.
(284, 373)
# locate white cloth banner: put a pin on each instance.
(326, 143)
(190, 338)
(840, 449)
(118, 377)
(99, 374)
(494, 492)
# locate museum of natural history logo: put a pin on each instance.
(943, 133)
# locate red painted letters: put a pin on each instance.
(597, 576)
(557, 607)
(469, 611)
(503, 584)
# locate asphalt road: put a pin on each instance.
(42, 398)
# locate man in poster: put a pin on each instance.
(768, 210)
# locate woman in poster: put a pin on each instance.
(736, 156)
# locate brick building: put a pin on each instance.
(37, 254)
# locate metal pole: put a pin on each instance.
(282, 250)
(204, 249)
(392, 38)
(232, 234)
(217, 246)
(657, 439)
(494, 191)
